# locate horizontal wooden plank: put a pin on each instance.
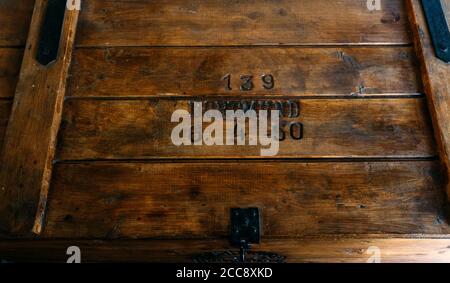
(320, 250)
(5, 108)
(191, 200)
(10, 61)
(247, 22)
(15, 17)
(201, 71)
(333, 128)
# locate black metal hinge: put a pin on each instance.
(439, 28)
(245, 229)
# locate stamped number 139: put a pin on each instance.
(247, 82)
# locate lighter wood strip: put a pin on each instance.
(30, 138)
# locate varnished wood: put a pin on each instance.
(30, 138)
(365, 174)
(308, 250)
(337, 128)
(244, 22)
(10, 60)
(133, 72)
(185, 200)
(5, 106)
(436, 77)
(15, 17)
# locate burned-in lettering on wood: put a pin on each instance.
(289, 110)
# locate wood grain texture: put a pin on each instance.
(335, 128)
(15, 17)
(243, 22)
(191, 200)
(5, 107)
(10, 61)
(30, 138)
(309, 250)
(125, 72)
(436, 77)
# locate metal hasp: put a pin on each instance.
(439, 28)
(49, 39)
(245, 229)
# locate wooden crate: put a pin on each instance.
(88, 160)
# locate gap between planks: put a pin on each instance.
(251, 160)
(256, 97)
(300, 46)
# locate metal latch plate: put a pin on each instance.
(245, 226)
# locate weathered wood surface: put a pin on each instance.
(184, 200)
(114, 114)
(337, 128)
(15, 16)
(10, 60)
(30, 138)
(343, 71)
(244, 22)
(436, 77)
(5, 106)
(308, 250)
